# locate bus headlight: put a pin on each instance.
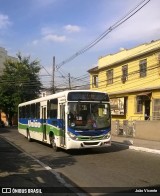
(108, 135)
(72, 136)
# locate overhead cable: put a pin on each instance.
(117, 24)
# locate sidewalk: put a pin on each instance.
(137, 144)
(21, 173)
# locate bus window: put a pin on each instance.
(88, 115)
(27, 111)
(37, 110)
(52, 107)
(33, 110)
(21, 112)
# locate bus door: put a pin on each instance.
(43, 117)
(62, 117)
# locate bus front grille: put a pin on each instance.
(90, 143)
(90, 138)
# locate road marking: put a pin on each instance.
(137, 148)
(59, 178)
(144, 149)
(40, 179)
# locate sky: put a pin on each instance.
(61, 28)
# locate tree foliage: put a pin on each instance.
(19, 82)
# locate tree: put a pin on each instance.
(19, 82)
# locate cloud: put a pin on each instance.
(54, 38)
(143, 27)
(46, 31)
(48, 34)
(4, 21)
(72, 28)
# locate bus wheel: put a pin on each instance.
(53, 144)
(28, 136)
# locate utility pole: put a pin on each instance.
(53, 76)
(69, 80)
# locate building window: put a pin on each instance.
(143, 68)
(95, 81)
(156, 109)
(126, 105)
(124, 73)
(110, 76)
(139, 104)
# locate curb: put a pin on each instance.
(144, 149)
(132, 147)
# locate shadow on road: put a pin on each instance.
(86, 151)
(58, 161)
(111, 149)
(76, 152)
(19, 170)
(4, 130)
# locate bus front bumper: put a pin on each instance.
(72, 144)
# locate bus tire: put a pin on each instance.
(53, 144)
(28, 136)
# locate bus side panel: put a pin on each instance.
(34, 126)
(54, 127)
(22, 126)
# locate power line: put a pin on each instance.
(103, 83)
(85, 76)
(117, 24)
(150, 76)
(117, 79)
(32, 82)
(82, 78)
(46, 70)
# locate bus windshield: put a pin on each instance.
(88, 116)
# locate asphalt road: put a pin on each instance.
(115, 166)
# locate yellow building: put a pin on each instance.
(132, 79)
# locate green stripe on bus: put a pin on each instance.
(49, 128)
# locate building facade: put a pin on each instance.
(131, 77)
(3, 57)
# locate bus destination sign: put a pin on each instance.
(87, 96)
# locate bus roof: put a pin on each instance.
(56, 95)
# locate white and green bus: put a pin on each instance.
(65, 119)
